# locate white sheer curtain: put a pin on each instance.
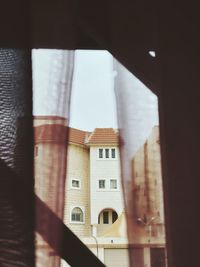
(137, 114)
(52, 83)
(138, 121)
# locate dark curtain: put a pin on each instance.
(16, 161)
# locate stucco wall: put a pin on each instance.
(78, 168)
(50, 163)
(50, 174)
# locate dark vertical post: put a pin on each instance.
(178, 56)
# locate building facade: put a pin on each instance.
(94, 207)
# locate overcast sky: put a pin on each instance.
(92, 100)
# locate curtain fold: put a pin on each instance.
(52, 89)
(137, 109)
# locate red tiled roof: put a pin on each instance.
(103, 136)
(77, 136)
(57, 133)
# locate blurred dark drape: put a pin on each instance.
(16, 161)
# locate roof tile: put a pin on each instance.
(77, 136)
(57, 133)
(103, 136)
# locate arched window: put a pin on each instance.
(77, 215)
(107, 216)
(114, 216)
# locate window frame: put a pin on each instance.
(100, 149)
(111, 150)
(98, 186)
(75, 179)
(113, 179)
(104, 153)
(83, 212)
(106, 217)
(107, 153)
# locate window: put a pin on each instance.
(77, 215)
(105, 217)
(76, 183)
(36, 151)
(114, 216)
(107, 153)
(113, 153)
(113, 184)
(100, 153)
(102, 184)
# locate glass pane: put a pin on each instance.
(102, 184)
(113, 153)
(77, 215)
(75, 183)
(114, 216)
(105, 217)
(113, 184)
(107, 152)
(100, 153)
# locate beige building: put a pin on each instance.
(93, 181)
(93, 193)
(148, 234)
(50, 175)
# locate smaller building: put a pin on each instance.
(148, 225)
(93, 186)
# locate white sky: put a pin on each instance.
(92, 100)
